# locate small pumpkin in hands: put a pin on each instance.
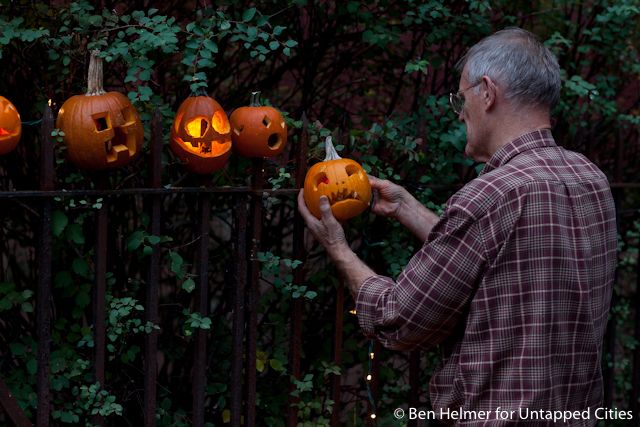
(200, 135)
(258, 130)
(342, 181)
(102, 130)
(10, 126)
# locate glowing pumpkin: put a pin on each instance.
(343, 181)
(201, 135)
(102, 130)
(258, 130)
(10, 126)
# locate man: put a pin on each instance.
(514, 280)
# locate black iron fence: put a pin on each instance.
(248, 215)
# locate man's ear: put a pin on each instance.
(489, 92)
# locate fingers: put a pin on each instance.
(303, 209)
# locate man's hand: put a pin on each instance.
(327, 230)
(390, 197)
(395, 202)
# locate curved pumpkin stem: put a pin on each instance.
(332, 154)
(255, 99)
(94, 78)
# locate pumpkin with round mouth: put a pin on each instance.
(10, 126)
(342, 181)
(201, 135)
(258, 130)
(102, 130)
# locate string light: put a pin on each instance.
(369, 378)
(353, 311)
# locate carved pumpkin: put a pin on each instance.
(10, 126)
(200, 135)
(258, 131)
(343, 181)
(102, 130)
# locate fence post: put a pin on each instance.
(100, 289)
(151, 303)
(202, 308)
(237, 360)
(298, 274)
(43, 299)
(252, 289)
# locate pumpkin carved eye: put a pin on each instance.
(197, 127)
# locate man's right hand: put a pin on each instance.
(389, 197)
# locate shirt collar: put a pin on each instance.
(535, 139)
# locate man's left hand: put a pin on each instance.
(327, 230)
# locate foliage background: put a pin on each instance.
(374, 75)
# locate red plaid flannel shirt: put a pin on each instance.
(514, 281)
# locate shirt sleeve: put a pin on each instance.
(429, 298)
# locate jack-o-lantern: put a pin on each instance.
(10, 126)
(200, 135)
(343, 181)
(258, 130)
(102, 130)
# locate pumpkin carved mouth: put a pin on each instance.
(205, 148)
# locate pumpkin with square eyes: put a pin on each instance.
(102, 130)
(258, 130)
(200, 135)
(342, 181)
(10, 126)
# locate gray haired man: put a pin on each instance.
(514, 280)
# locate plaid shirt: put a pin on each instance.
(515, 281)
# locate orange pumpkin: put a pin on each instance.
(258, 130)
(201, 135)
(343, 181)
(102, 130)
(10, 126)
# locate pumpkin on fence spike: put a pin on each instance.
(10, 126)
(343, 181)
(258, 130)
(200, 135)
(102, 130)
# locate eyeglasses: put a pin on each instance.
(457, 99)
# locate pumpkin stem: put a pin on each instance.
(255, 99)
(332, 154)
(94, 78)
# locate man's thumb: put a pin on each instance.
(325, 208)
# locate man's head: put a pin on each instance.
(504, 78)
(515, 59)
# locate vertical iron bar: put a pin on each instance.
(202, 307)
(634, 404)
(414, 383)
(10, 405)
(238, 311)
(252, 294)
(151, 304)
(43, 298)
(100, 289)
(337, 355)
(298, 275)
(610, 335)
